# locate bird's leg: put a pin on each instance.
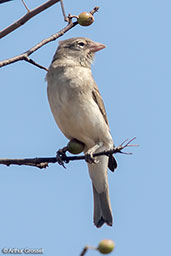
(89, 154)
(61, 153)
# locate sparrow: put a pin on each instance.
(79, 112)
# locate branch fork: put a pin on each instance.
(25, 56)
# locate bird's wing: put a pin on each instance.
(99, 101)
(112, 164)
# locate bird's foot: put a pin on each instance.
(60, 154)
(90, 159)
(89, 154)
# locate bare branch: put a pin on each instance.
(42, 162)
(27, 17)
(96, 8)
(25, 5)
(35, 63)
(85, 249)
(24, 56)
(4, 1)
(63, 11)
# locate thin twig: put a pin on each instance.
(84, 251)
(27, 17)
(95, 10)
(24, 55)
(63, 11)
(4, 1)
(42, 162)
(25, 6)
(86, 248)
(35, 63)
(124, 142)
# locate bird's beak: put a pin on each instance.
(94, 47)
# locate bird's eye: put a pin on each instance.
(81, 44)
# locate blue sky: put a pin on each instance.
(52, 208)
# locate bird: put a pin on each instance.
(80, 114)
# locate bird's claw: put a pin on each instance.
(90, 159)
(59, 154)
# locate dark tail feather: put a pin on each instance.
(112, 164)
(102, 208)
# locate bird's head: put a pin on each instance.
(79, 50)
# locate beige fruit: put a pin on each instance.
(106, 246)
(75, 146)
(85, 19)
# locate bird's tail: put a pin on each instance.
(102, 208)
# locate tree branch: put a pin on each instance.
(42, 162)
(35, 63)
(24, 56)
(85, 249)
(30, 14)
(4, 1)
(28, 10)
(63, 11)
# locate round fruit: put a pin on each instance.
(106, 246)
(75, 146)
(85, 19)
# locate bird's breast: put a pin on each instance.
(75, 112)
